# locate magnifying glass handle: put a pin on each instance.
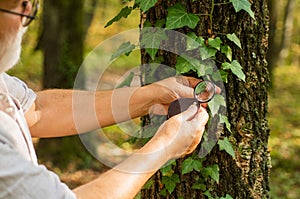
(180, 105)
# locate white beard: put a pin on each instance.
(10, 49)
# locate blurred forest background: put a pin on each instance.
(81, 29)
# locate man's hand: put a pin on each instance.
(181, 134)
(170, 89)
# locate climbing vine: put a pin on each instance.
(207, 47)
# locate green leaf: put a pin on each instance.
(213, 172)
(235, 68)
(207, 52)
(208, 195)
(148, 184)
(151, 41)
(199, 186)
(224, 119)
(178, 18)
(193, 41)
(243, 5)
(124, 13)
(170, 182)
(125, 48)
(145, 5)
(227, 197)
(227, 146)
(183, 65)
(167, 169)
(191, 164)
(215, 43)
(232, 37)
(227, 51)
(215, 103)
(127, 81)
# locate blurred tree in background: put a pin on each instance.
(63, 30)
(284, 39)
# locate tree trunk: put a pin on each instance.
(247, 176)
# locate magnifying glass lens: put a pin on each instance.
(204, 91)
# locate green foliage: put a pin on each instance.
(127, 81)
(215, 103)
(232, 37)
(125, 48)
(145, 5)
(227, 146)
(226, 197)
(124, 13)
(178, 18)
(190, 165)
(170, 182)
(243, 5)
(211, 171)
(152, 39)
(235, 68)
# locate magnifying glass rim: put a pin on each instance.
(204, 101)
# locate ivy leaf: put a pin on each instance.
(232, 37)
(215, 103)
(200, 186)
(213, 172)
(243, 5)
(227, 146)
(148, 184)
(224, 119)
(183, 65)
(151, 41)
(170, 182)
(178, 18)
(145, 5)
(122, 14)
(193, 41)
(236, 69)
(207, 52)
(125, 48)
(227, 51)
(191, 164)
(227, 197)
(167, 170)
(208, 195)
(127, 81)
(215, 43)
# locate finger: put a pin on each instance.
(192, 81)
(187, 92)
(201, 117)
(217, 89)
(190, 113)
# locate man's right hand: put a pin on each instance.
(181, 134)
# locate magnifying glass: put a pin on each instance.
(204, 91)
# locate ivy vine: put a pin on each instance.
(179, 17)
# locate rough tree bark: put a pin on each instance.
(247, 176)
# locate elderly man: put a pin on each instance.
(25, 114)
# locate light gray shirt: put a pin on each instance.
(20, 175)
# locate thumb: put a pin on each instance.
(202, 117)
(190, 113)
